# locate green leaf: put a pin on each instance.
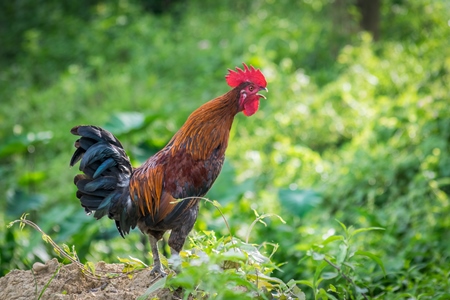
(318, 272)
(342, 255)
(90, 266)
(305, 282)
(332, 238)
(331, 296)
(350, 265)
(253, 253)
(124, 260)
(66, 248)
(233, 255)
(260, 276)
(298, 293)
(373, 257)
(138, 261)
(361, 290)
(318, 256)
(343, 226)
(329, 275)
(355, 232)
(323, 294)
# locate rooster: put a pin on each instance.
(151, 196)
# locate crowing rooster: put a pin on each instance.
(148, 196)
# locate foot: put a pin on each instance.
(158, 270)
(157, 266)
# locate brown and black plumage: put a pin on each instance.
(186, 167)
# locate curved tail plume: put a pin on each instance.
(103, 188)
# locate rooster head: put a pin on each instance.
(250, 81)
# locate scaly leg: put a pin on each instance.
(157, 266)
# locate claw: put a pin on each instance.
(158, 270)
(157, 266)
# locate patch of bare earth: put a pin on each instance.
(70, 283)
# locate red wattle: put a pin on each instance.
(251, 107)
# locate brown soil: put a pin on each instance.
(70, 283)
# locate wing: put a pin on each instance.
(159, 184)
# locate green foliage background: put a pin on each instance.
(353, 129)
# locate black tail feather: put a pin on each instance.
(103, 187)
(97, 134)
(105, 182)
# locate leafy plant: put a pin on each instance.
(342, 262)
(233, 268)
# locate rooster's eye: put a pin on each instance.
(250, 89)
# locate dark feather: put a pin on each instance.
(96, 133)
(103, 209)
(108, 163)
(104, 185)
(105, 182)
(76, 156)
(91, 202)
(85, 143)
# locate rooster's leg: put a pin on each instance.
(157, 266)
(180, 232)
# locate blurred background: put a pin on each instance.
(356, 127)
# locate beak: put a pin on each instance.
(263, 89)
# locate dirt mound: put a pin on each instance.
(69, 282)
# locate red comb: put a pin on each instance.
(235, 78)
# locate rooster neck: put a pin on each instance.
(208, 128)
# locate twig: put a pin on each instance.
(61, 252)
(47, 239)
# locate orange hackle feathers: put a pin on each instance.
(146, 188)
(205, 130)
(235, 78)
